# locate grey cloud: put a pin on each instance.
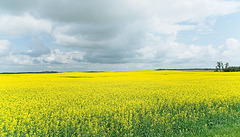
(104, 44)
(80, 11)
(4, 47)
(18, 7)
(90, 11)
(110, 56)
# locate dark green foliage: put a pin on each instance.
(220, 68)
(232, 69)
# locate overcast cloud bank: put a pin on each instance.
(112, 35)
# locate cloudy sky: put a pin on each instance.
(82, 35)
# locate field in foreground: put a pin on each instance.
(135, 103)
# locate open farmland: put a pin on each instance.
(134, 103)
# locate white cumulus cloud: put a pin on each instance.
(231, 50)
(12, 25)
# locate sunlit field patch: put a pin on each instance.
(134, 103)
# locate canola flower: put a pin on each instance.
(134, 103)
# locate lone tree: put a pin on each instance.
(226, 65)
(220, 67)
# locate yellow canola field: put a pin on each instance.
(134, 103)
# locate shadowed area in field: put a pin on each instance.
(76, 77)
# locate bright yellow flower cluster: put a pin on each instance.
(134, 103)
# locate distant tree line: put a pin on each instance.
(29, 72)
(186, 69)
(226, 68)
